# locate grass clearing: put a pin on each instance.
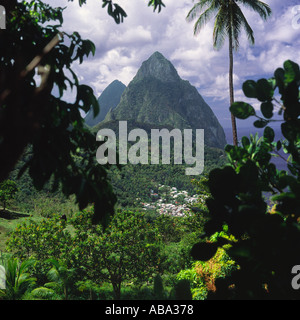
(9, 219)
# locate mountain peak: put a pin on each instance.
(109, 99)
(159, 67)
(157, 55)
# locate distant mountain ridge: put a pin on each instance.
(109, 99)
(158, 96)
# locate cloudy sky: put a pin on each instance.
(122, 48)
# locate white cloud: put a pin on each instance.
(122, 48)
(131, 36)
(275, 55)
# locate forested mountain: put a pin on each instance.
(158, 96)
(108, 99)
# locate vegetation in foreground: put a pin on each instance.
(266, 241)
(140, 255)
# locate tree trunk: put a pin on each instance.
(233, 121)
(117, 290)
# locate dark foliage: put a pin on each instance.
(268, 239)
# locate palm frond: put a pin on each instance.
(203, 19)
(17, 279)
(235, 25)
(263, 9)
(220, 28)
(229, 19)
(244, 23)
(197, 9)
(43, 293)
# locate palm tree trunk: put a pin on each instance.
(233, 121)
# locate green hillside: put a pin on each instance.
(158, 96)
(109, 99)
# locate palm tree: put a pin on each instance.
(17, 279)
(61, 282)
(229, 21)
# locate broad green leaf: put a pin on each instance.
(269, 134)
(249, 88)
(288, 131)
(242, 110)
(279, 77)
(204, 251)
(245, 142)
(264, 90)
(272, 82)
(228, 148)
(292, 71)
(260, 123)
(267, 109)
(278, 145)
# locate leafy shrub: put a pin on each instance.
(203, 274)
(61, 285)
(40, 240)
(263, 238)
(8, 190)
(127, 250)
